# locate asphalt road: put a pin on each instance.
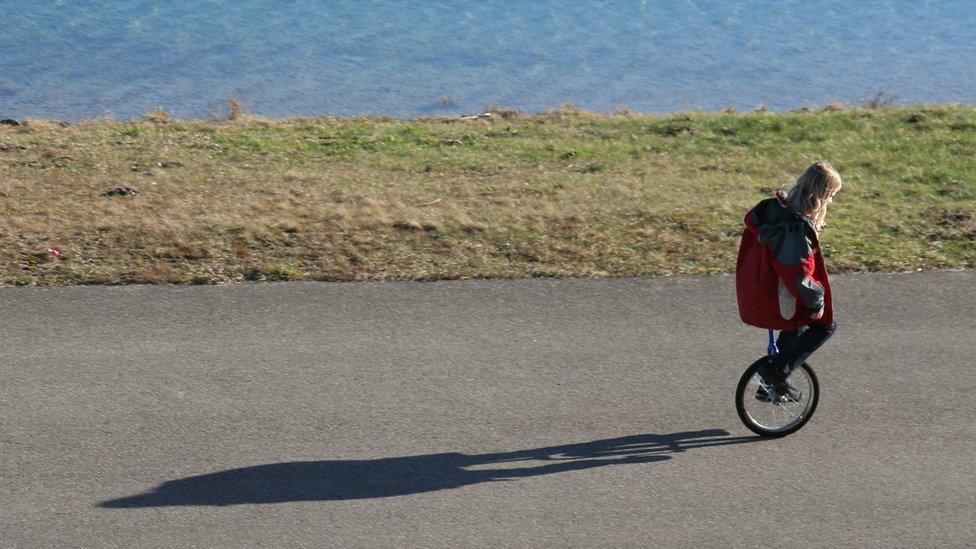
(476, 413)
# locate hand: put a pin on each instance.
(818, 314)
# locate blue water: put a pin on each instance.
(79, 59)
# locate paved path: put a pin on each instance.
(489, 413)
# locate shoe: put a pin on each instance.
(774, 385)
(788, 391)
(784, 389)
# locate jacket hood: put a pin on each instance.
(775, 215)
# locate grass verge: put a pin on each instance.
(563, 193)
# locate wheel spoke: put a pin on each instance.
(783, 406)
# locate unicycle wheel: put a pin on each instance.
(776, 415)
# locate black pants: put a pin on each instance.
(795, 346)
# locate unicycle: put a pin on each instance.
(775, 415)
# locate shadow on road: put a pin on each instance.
(397, 476)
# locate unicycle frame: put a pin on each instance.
(772, 349)
(744, 382)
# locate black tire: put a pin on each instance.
(806, 414)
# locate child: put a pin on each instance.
(780, 279)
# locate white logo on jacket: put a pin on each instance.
(787, 303)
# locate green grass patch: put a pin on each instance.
(563, 193)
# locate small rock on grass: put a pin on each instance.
(120, 191)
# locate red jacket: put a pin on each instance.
(780, 277)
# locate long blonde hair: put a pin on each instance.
(812, 189)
